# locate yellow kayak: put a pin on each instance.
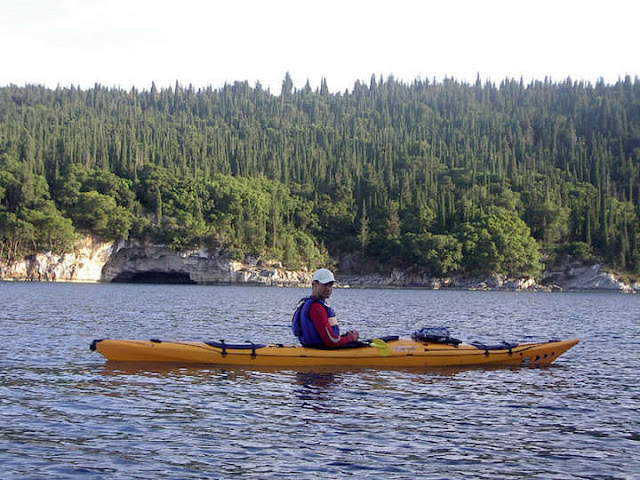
(377, 353)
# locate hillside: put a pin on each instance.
(443, 177)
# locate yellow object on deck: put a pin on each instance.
(403, 352)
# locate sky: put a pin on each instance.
(126, 43)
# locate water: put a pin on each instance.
(67, 413)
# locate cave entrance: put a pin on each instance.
(154, 277)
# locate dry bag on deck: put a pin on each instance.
(435, 335)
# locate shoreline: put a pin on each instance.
(631, 290)
(94, 261)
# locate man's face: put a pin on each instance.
(323, 290)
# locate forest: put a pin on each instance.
(443, 177)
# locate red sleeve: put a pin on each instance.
(318, 315)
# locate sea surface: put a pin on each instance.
(66, 413)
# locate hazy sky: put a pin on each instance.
(134, 42)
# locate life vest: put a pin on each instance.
(303, 327)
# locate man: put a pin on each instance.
(314, 321)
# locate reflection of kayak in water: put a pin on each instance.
(377, 353)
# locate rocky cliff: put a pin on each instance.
(95, 261)
(575, 277)
(585, 276)
(131, 262)
(85, 264)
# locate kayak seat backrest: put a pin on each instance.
(236, 346)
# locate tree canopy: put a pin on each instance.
(445, 176)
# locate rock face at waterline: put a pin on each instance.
(579, 276)
(132, 262)
(95, 261)
(400, 278)
(129, 261)
(575, 277)
(84, 265)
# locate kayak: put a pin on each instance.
(376, 353)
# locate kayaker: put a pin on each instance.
(314, 321)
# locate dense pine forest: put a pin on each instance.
(444, 177)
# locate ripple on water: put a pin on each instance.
(67, 413)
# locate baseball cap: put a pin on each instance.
(323, 276)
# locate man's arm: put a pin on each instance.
(318, 315)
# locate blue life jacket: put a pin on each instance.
(303, 327)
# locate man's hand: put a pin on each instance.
(353, 335)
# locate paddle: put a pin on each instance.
(383, 348)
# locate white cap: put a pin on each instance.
(323, 276)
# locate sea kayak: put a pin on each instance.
(377, 353)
